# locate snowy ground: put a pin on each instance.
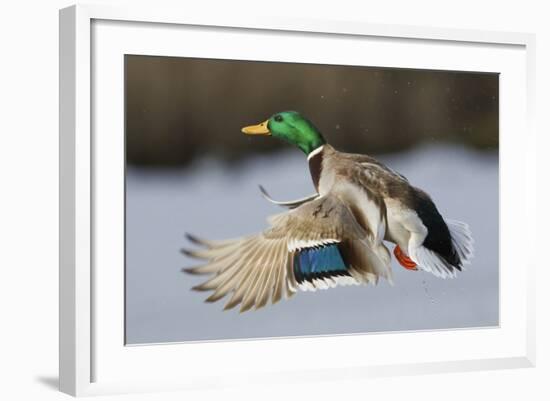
(215, 201)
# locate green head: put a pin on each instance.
(292, 127)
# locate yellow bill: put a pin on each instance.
(260, 129)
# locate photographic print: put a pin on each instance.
(271, 199)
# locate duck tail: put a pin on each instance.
(462, 240)
(463, 251)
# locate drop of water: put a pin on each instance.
(427, 293)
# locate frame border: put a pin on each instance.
(75, 169)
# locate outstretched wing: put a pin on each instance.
(314, 246)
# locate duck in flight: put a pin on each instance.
(335, 236)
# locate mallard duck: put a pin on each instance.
(335, 236)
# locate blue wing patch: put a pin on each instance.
(325, 261)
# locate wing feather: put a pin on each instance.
(251, 287)
(258, 268)
(221, 264)
(228, 272)
(288, 204)
(269, 283)
(279, 278)
(240, 281)
(264, 269)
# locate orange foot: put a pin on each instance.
(403, 259)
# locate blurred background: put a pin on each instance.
(189, 169)
(181, 108)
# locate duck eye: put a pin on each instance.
(278, 118)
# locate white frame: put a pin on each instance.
(76, 219)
